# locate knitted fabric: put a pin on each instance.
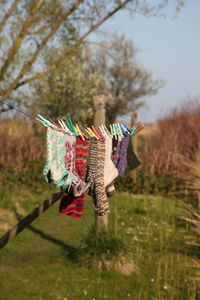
(54, 169)
(115, 153)
(70, 204)
(110, 171)
(132, 159)
(110, 189)
(123, 155)
(96, 173)
(74, 145)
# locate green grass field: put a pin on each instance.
(40, 263)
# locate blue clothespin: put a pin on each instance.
(126, 128)
(123, 129)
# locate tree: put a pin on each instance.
(111, 69)
(68, 90)
(28, 28)
(122, 79)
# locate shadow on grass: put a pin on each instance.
(70, 252)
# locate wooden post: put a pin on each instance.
(134, 139)
(101, 222)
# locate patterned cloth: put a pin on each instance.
(70, 204)
(115, 153)
(123, 155)
(96, 174)
(110, 189)
(110, 171)
(74, 151)
(54, 169)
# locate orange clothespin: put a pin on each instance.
(96, 132)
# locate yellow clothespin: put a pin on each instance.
(88, 132)
(92, 133)
(79, 131)
(106, 129)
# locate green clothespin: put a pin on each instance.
(45, 122)
(111, 130)
(133, 129)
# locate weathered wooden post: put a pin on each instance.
(134, 139)
(101, 222)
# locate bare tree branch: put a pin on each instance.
(18, 41)
(72, 48)
(8, 14)
(30, 62)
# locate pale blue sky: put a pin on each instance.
(170, 48)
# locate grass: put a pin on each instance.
(40, 263)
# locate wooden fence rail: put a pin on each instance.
(13, 232)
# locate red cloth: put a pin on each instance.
(71, 205)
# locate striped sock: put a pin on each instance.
(71, 205)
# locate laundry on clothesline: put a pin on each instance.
(79, 158)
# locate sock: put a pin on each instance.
(110, 171)
(132, 160)
(110, 189)
(71, 204)
(123, 155)
(54, 169)
(96, 174)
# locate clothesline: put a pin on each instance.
(74, 165)
(116, 129)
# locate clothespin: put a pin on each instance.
(79, 131)
(96, 132)
(106, 129)
(70, 125)
(126, 129)
(61, 125)
(65, 127)
(123, 130)
(133, 129)
(111, 130)
(120, 130)
(114, 132)
(84, 132)
(58, 126)
(45, 122)
(139, 128)
(102, 132)
(88, 131)
(92, 133)
(101, 135)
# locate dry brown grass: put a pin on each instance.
(20, 142)
(173, 141)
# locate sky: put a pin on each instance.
(170, 48)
